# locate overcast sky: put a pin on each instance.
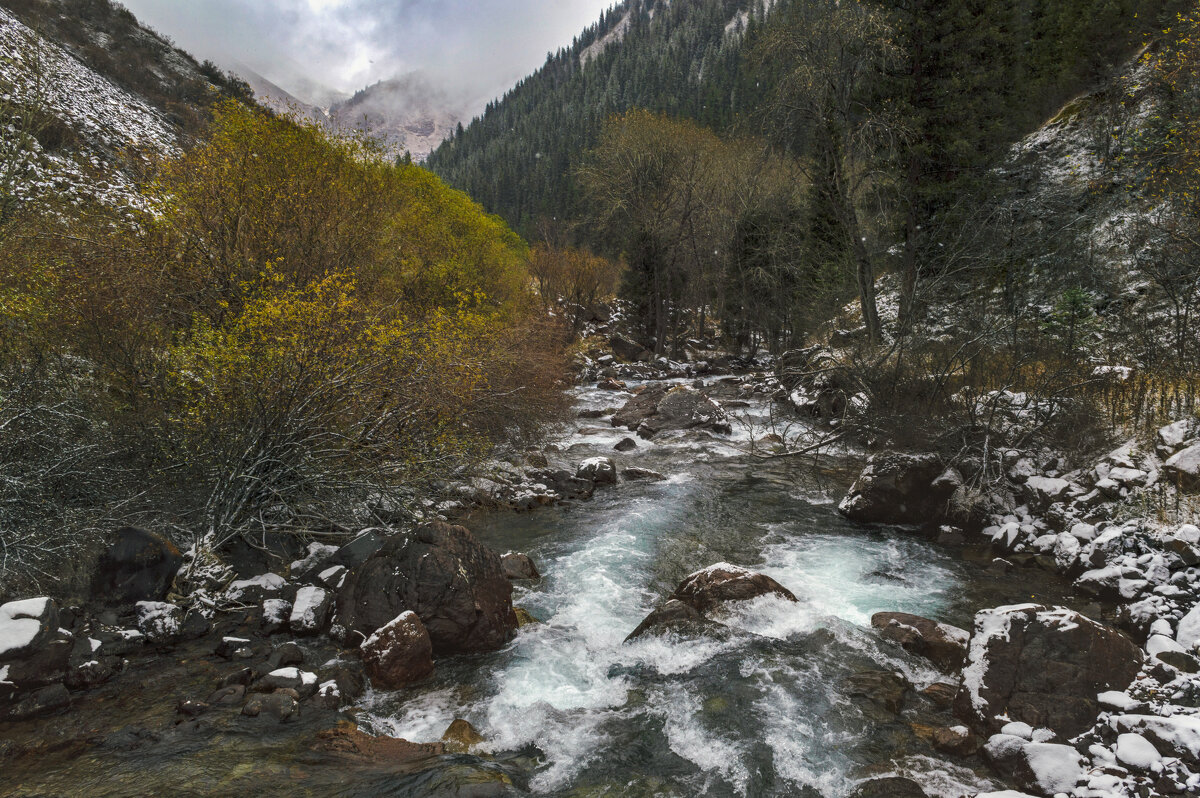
(476, 48)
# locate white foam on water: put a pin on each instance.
(688, 738)
(832, 574)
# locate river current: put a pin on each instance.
(758, 708)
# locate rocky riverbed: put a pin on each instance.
(679, 616)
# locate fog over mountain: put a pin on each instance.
(321, 51)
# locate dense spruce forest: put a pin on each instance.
(892, 116)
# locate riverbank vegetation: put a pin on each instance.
(301, 336)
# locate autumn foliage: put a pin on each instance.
(304, 336)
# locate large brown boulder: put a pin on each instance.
(899, 488)
(1043, 666)
(940, 643)
(455, 585)
(704, 591)
(399, 653)
(659, 408)
(138, 566)
(723, 582)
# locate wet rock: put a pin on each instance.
(234, 648)
(518, 566)
(39, 703)
(897, 488)
(349, 742)
(626, 445)
(398, 653)
(632, 474)
(349, 677)
(942, 644)
(92, 670)
(954, 740)
(280, 706)
(1043, 666)
(941, 694)
(191, 708)
(194, 626)
(524, 617)
(242, 676)
(461, 737)
(138, 566)
(597, 470)
(230, 696)
(672, 614)
(285, 655)
(611, 384)
(889, 787)
(310, 613)
(720, 583)
(439, 571)
(884, 688)
(660, 408)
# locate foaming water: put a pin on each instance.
(754, 708)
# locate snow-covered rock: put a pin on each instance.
(23, 624)
(1134, 752)
(310, 613)
(159, 621)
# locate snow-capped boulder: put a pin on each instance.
(1043, 666)
(159, 621)
(598, 470)
(1177, 735)
(256, 589)
(1045, 768)
(898, 488)
(1041, 491)
(318, 554)
(24, 625)
(940, 643)
(455, 585)
(1133, 751)
(1172, 437)
(398, 653)
(310, 613)
(706, 590)
(1184, 468)
(34, 651)
(1187, 633)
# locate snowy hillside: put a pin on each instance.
(105, 135)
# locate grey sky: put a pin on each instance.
(476, 48)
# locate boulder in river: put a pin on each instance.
(703, 591)
(1043, 666)
(940, 643)
(899, 489)
(518, 566)
(138, 566)
(660, 408)
(889, 787)
(455, 585)
(399, 653)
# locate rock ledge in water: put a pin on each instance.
(704, 591)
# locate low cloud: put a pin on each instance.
(476, 49)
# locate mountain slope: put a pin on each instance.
(699, 60)
(684, 59)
